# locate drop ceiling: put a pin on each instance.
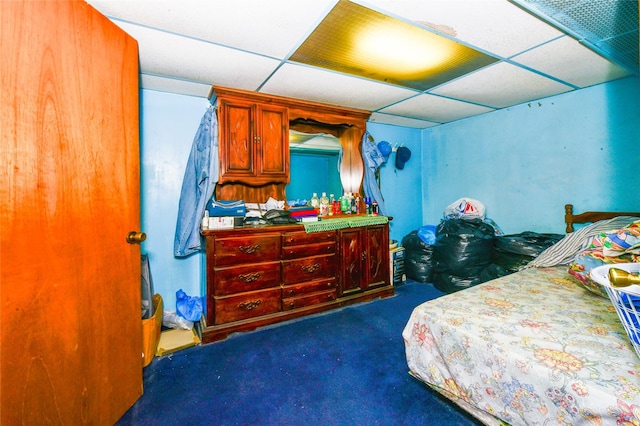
(540, 48)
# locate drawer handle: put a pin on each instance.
(249, 249)
(249, 306)
(249, 278)
(311, 268)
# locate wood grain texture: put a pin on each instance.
(70, 285)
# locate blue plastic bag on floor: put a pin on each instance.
(189, 307)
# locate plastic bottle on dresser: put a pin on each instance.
(332, 201)
(315, 201)
(345, 205)
(324, 204)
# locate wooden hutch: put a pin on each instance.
(259, 275)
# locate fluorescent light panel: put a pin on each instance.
(355, 40)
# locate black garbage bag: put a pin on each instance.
(492, 272)
(512, 252)
(418, 258)
(450, 283)
(413, 242)
(418, 265)
(463, 247)
(526, 243)
(510, 261)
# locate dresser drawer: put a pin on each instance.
(301, 237)
(308, 287)
(238, 279)
(309, 299)
(246, 305)
(249, 249)
(307, 269)
(293, 252)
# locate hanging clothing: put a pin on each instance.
(373, 159)
(200, 178)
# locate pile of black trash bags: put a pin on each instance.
(467, 252)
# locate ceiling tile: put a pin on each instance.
(273, 28)
(173, 85)
(501, 85)
(565, 59)
(304, 82)
(495, 26)
(198, 61)
(397, 120)
(435, 109)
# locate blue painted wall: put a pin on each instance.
(168, 125)
(525, 163)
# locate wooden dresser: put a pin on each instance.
(266, 274)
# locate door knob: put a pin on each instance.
(134, 237)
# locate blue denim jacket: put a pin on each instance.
(200, 178)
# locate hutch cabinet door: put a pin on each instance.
(254, 142)
(70, 193)
(237, 137)
(273, 143)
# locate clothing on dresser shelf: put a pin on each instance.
(200, 178)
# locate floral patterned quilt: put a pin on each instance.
(529, 348)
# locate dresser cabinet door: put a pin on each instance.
(350, 250)
(376, 241)
(364, 258)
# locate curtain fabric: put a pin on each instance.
(373, 159)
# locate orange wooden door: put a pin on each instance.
(69, 194)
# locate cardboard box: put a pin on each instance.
(176, 339)
(151, 328)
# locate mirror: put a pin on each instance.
(344, 126)
(314, 160)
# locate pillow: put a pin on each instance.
(583, 263)
(565, 250)
(615, 243)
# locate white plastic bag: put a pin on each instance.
(465, 208)
(171, 319)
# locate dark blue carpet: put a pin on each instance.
(344, 367)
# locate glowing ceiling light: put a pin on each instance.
(399, 52)
(356, 40)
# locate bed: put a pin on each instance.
(535, 347)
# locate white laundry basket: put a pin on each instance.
(626, 300)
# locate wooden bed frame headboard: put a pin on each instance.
(588, 217)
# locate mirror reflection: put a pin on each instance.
(314, 160)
